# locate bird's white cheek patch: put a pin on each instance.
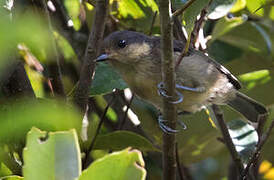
(138, 49)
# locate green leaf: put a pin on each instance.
(225, 25)
(123, 165)
(105, 80)
(12, 178)
(244, 137)
(220, 8)
(246, 36)
(53, 155)
(73, 8)
(191, 13)
(45, 114)
(121, 139)
(135, 14)
(224, 52)
(252, 79)
(239, 5)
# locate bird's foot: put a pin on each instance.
(197, 89)
(167, 129)
(162, 92)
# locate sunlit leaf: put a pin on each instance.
(255, 78)
(127, 165)
(220, 8)
(244, 137)
(73, 9)
(106, 79)
(121, 139)
(239, 5)
(53, 155)
(225, 25)
(12, 178)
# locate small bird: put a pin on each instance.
(201, 80)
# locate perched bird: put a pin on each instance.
(201, 80)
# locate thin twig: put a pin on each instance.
(54, 71)
(256, 154)
(125, 115)
(152, 22)
(183, 8)
(198, 24)
(183, 54)
(168, 77)
(91, 52)
(87, 152)
(227, 138)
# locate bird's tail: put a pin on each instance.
(248, 107)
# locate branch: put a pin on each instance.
(152, 22)
(54, 69)
(87, 152)
(227, 139)
(256, 154)
(91, 52)
(168, 77)
(183, 8)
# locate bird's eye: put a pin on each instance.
(122, 43)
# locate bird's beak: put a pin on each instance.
(102, 57)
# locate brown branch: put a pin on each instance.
(87, 152)
(168, 77)
(126, 111)
(182, 9)
(227, 138)
(54, 66)
(91, 52)
(152, 22)
(256, 154)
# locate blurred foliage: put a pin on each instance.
(240, 35)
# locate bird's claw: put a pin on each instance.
(167, 129)
(162, 92)
(198, 89)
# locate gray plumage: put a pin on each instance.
(137, 58)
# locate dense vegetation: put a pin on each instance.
(46, 64)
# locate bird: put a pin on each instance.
(200, 80)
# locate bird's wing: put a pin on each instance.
(178, 47)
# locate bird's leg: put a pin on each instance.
(198, 89)
(162, 92)
(164, 127)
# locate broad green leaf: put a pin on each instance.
(4, 170)
(254, 6)
(121, 139)
(123, 165)
(224, 52)
(17, 118)
(246, 36)
(255, 78)
(244, 137)
(105, 80)
(73, 8)
(11, 178)
(239, 5)
(51, 156)
(191, 13)
(220, 8)
(225, 25)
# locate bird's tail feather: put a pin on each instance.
(248, 107)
